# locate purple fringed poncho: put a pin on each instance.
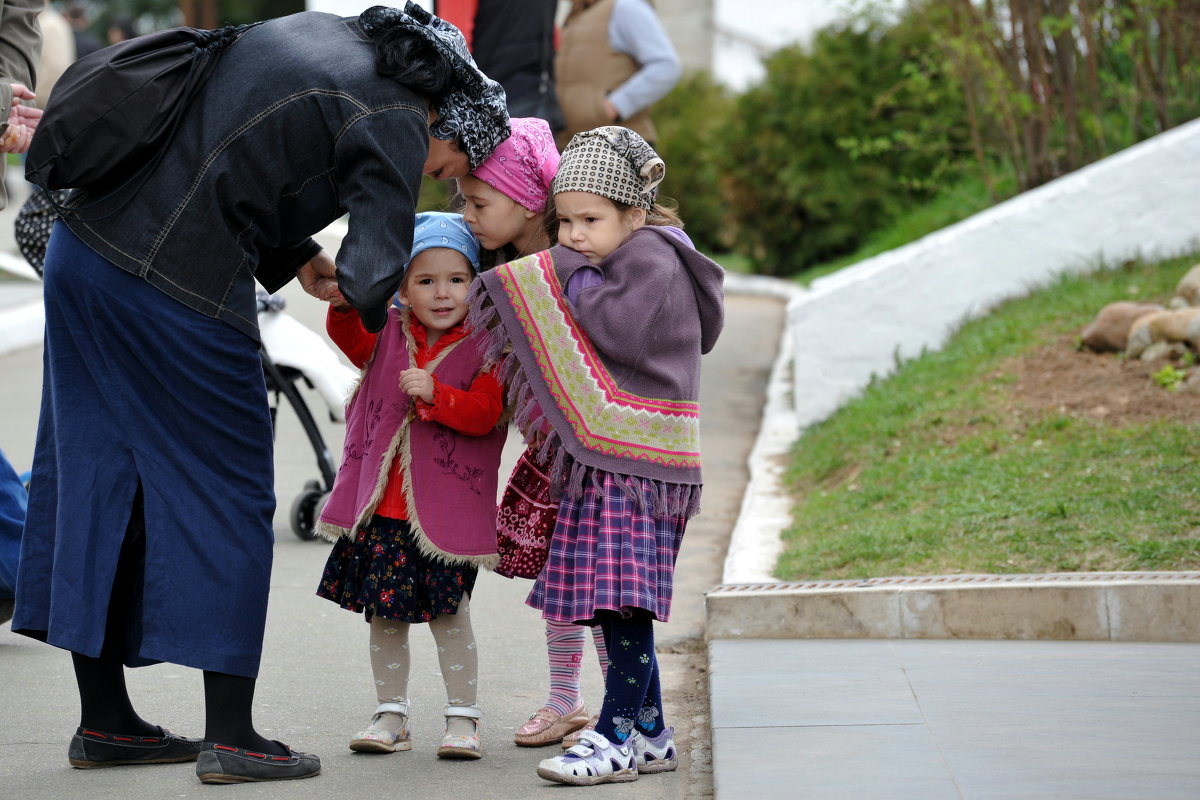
(616, 374)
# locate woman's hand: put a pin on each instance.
(417, 383)
(22, 121)
(319, 278)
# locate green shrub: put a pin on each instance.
(690, 122)
(836, 142)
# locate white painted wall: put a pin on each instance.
(352, 8)
(1142, 201)
(745, 31)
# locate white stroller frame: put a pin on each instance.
(290, 353)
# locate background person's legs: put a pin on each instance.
(13, 501)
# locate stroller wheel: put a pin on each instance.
(304, 511)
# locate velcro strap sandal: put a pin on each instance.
(657, 754)
(457, 745)
(378, 739)
(594, 760)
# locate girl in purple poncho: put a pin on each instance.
(599, 341)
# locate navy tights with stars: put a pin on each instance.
(632, 695)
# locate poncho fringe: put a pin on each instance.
(568, 475)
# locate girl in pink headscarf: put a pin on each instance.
(505, 197)
(505, 202)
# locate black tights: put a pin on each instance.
(632, 692)
(104, 702)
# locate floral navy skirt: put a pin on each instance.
(381, 572)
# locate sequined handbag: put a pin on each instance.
(525, 521)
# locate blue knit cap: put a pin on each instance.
(439, 229)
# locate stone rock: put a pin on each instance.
(1169, 350)
(1188, 289)
(1179, 325)
(1110, 330)
(1191, 384)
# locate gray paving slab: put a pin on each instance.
(898, 762)
(981, 720)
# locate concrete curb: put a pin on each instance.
(756, 540)
(1108, 606)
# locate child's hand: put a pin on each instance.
(319, 278)
(417, 383)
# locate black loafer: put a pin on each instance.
(91, 748)
(220, 763)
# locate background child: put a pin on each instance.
(413, 507)
(615, 372)
(505, 202)
(504, 198)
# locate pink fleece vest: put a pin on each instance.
(450, 479)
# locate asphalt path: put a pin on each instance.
(315, 688)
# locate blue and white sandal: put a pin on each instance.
(594, 760)
(656, 754)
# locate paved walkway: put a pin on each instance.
(934, 719)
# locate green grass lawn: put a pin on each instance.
(938, 469)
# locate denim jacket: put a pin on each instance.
(293, 129)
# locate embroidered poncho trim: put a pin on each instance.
(549, 364)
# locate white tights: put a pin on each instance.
(457, 656)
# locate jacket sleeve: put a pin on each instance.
(278, 265)
(20, 49)
(634, 30)
(346, 331)
(473, 411)
(379, 163)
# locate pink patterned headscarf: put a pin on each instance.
(524, 164)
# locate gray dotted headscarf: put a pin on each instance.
(474, 110)
(613, 162)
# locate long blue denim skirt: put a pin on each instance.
(140, 391)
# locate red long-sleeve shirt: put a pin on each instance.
(473, 411)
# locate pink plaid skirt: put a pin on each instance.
(608, 555)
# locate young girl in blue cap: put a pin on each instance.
(412, 511)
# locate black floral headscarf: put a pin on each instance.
(474, 111)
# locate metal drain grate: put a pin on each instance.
(963, 580)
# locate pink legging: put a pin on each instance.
(564, 644)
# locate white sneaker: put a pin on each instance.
(594, 760)
(656, 754)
